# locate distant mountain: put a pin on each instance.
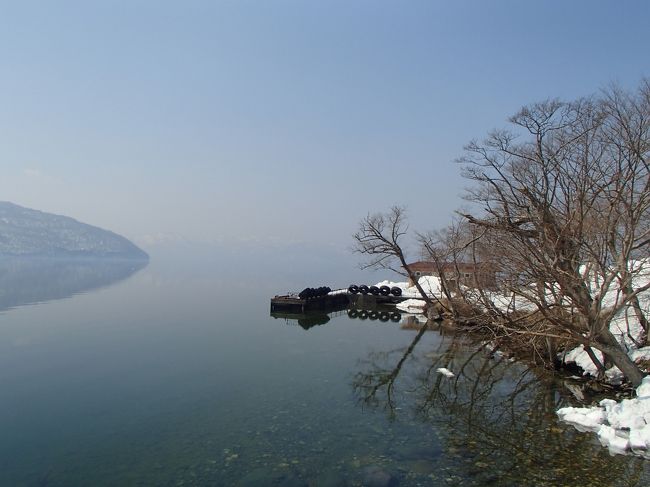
(25, 232)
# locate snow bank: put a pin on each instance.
(579, 357)
(430, 285)
(411, 305)
(624, 325)
(338, 291)
(415, 304)
(622, 427)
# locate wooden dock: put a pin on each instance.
(293, 304)
(371, 301)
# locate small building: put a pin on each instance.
(467, 274)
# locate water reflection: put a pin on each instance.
(26, 281)
(304, 320)
(314, 318)
(499, 416)
(382, 314)
(184, 385)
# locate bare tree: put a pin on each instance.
(565, 203)
(448, 249)
(380, 238)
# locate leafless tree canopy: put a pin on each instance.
(561, 209)
(380, 238)
(565, 207)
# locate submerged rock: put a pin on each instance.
(291, 481)
(375, 476)
(263, 477)
(330, 479)
(409, 451)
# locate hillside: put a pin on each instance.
(26, 232)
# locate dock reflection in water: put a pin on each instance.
(304, 320)
(310, 319)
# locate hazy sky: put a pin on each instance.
(280, 120)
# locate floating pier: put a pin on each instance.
(370, 301)
(292, 303)
(333, 301)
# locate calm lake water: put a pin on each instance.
(176, 374)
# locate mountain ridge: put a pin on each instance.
(28, 232)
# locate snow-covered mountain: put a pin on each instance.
(25, 232)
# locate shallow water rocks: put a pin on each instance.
(259, 476)
(409, 451)
(375, 476)
(263, 477)
(330, 479)
(291, 481)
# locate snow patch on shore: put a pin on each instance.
(412, 306)
(430, 285)
(579, 357)
(622, 427)
(415, 304)
(624, 326)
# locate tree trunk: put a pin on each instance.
(638, 312)
(643, 321)
(609, 346)
(597, 363)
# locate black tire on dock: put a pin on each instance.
(384, 316)
(363, 314)
(363, 289)
(374, 290)
(305, 293)
(353, 289)
(384, 290)
(395, 317)
(353, 313)
(373, 315)
(396, 291)
(327, 289)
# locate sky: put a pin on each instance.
(276, 121)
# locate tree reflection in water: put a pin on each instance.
(496, 418)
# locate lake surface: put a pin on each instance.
(176, 374)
